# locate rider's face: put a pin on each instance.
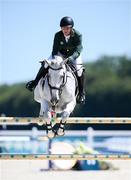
(66, 30)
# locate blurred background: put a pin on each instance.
(26, 37)
(27, 29)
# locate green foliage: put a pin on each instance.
(108, 91)
(15, 100)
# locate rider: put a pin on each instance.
(67, 43)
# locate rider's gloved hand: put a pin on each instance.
(70, 60)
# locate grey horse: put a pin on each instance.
(58, 94)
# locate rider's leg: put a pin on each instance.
(81, 80)
(41, 73)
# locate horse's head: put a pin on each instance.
(56, 77)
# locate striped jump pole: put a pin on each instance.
(71, 120)
(65, 157)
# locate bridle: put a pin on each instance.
(54, 87)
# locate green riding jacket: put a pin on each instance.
(70, 49)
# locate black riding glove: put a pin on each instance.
(70, 60)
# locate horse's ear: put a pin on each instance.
(52, 63)
(47, 62)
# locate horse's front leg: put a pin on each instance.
(49, 130)
(46, 114)
(65, 115)
(61, 128)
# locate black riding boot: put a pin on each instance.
(81, 95)
(41, 73)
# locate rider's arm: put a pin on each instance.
(55, 45)
(78, 48)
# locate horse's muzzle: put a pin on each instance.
(54, 101)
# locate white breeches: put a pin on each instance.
(78, 65)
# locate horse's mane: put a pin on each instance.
(56, 62)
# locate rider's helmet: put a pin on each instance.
(66, 21)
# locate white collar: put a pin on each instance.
(67, 38)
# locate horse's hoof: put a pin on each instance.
(51, 135)
(61, 129)
(60, 133)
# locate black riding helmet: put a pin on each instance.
(66, 21)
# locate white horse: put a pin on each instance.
(57, 94)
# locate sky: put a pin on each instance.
(27, 29)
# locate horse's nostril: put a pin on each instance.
(54, 101)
